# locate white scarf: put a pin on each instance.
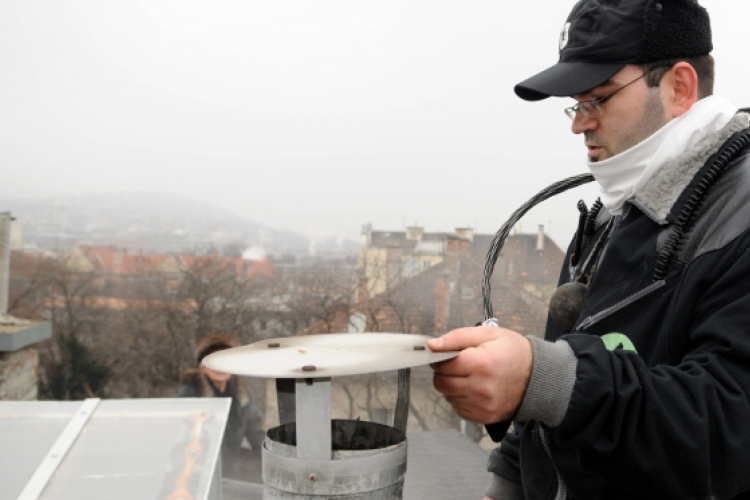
(621, 176)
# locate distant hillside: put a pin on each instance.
(145, 221)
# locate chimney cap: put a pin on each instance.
(465, 233)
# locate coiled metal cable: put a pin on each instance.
(499, 240)
(683, 222)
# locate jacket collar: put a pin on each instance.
(659, 195)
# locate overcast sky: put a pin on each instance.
(317, 116)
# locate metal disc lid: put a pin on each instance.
(327, 355)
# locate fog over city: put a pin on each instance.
(311, 116)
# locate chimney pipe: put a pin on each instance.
(5, 222)
(540, 239)
(414, 233)
(367, 234)
(465, 233)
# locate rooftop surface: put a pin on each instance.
(138, 448)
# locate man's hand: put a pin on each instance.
(487, 381)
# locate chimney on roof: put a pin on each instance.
(414, 233)
(540, 239)
(367, 234)
(16, 236)
(5, 221)
(465, 233)
(456, 245)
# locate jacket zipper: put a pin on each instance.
(615, 223)
(623, 303)
(561, 489)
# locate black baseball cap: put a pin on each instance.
(601, 37)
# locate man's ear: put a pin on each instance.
(680, 89)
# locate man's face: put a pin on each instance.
(628, 117)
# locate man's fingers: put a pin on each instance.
(462, 366)
(464, 338)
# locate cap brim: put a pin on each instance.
(566, 79)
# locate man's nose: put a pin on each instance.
(582, 123)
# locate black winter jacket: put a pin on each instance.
(661, 408)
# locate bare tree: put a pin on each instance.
(321, 294)
(69, 367)
(160, 329)
(29, 282)
(132, 335)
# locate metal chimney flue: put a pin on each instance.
(316, 456)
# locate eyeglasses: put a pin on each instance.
(592, 109)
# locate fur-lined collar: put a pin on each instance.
(659, 195)
(194, 377)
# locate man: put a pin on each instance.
(646, 392)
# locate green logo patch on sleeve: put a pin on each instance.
(616, 341)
